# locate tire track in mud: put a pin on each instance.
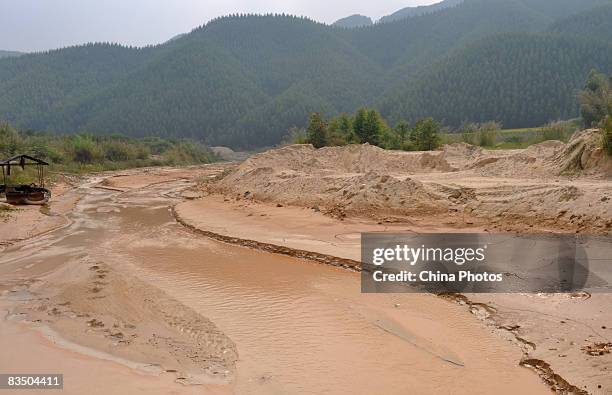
(480, 310)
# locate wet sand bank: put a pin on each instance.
(554, 330)
(23, 222)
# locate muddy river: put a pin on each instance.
(298, 326)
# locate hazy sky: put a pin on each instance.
(32, 25)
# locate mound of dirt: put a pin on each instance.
(352, 179)
(583, 155)
(348, 159)
(459, 182)
(531, 162)
(338, 194)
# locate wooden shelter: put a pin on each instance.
(34, 193)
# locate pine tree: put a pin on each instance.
(373, 127)
(346, 128)
(359, 125)
(317, 131)
(425, 135)
(402, 130)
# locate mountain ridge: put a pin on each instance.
(355, 20)
(244, 80)
(408, 12)
(7, 54)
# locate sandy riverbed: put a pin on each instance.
(124, 291)
(320, 200)
(547, 328)
(128, 290)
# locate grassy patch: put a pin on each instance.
(515, 138)
(88, 153)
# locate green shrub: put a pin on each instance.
(118, 151)
(88, 153)
(486, 138)
(317, 131)
(389, 139)
(84, 150)
(596, 99)
(425, 136)
(482, 134)
(188, 153)
(607, 135)
(46, 151)
(468, 137)
(10, 141)
(156, 145)
(296, 136)
(142, 152)
(515, 140)
(561, 131)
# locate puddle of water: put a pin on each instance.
(301, 327)
(292, 335)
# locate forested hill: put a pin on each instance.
(243, 81)
(522, 79)
(353, 21)
(7, 54)
(420, 10)
(595, 23)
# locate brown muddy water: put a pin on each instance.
(299, 327)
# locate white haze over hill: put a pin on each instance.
(35, 25)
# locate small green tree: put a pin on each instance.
(607, 135)
(339, 131)
(596, 99)
(345, 127)
(359, 125)
(84, 149)
(402, 131)
(425, 136)
(10, 141)
(317, 131)
(373, 127)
